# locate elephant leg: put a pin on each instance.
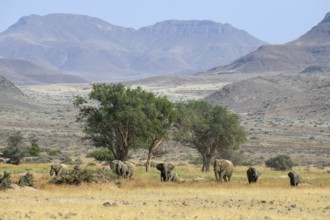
(216, 174)
(162, 177)
(221, 176)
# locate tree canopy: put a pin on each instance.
(120, 118)
(210, 129)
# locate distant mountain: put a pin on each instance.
(22, 72)
(311, 49)
(96, 50)
(294, 97)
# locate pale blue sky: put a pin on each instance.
(274, 21)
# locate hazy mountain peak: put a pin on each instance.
(326, 19)
(193, 26)
(311, 49)
(96, 50)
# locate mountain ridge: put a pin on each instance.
(310, 49)
(97, 50)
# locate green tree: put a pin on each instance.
(120, 118)
(160, 114)
(210, 129)
(14, 150)
(34, 150)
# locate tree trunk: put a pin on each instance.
(125, 156)
(206, 163)
(153, 146)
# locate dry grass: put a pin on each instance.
(144, 197)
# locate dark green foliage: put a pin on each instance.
(26, 180)
(120, 118)
(34, 150)
(54, 153)
(102, 154)
(210, 129)
(15, 150)
(5, 181)
(280, 162)
(79, 176)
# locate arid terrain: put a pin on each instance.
(290, 118)
(195, 196)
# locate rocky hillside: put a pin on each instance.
(294, 97)
(22, 72)
(96, 50)
(7, 88)
(311, 49)
(11, 97)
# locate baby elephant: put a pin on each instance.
(294, 178)
(173, 177)
(253, 174)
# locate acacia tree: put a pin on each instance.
(119, 118)
(160, 115)
(210, 129)
(112, 117)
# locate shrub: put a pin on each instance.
(77, 177)
(26, 180)
(15, 155)
(34, 150)
(15, 150)
(101, 154)
(280, 162)
(5, 181)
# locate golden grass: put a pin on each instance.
(144, 197)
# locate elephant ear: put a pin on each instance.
(160, 166)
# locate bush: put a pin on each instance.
(77, 177)
(281, 162)
(15, 150)
(26, 180)
(102, 154)
(5, 181)
(34, 150)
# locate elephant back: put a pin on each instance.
(230, 167)
(223, 165)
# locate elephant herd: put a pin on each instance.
(223, 170)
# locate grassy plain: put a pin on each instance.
(195, 196)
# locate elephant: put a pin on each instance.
(253, 174)
(129, 169)
(174, 177)
(57, 169)
(118, 167)
(165, 171)
(122, 169)
(223, 170)
(294, 178)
